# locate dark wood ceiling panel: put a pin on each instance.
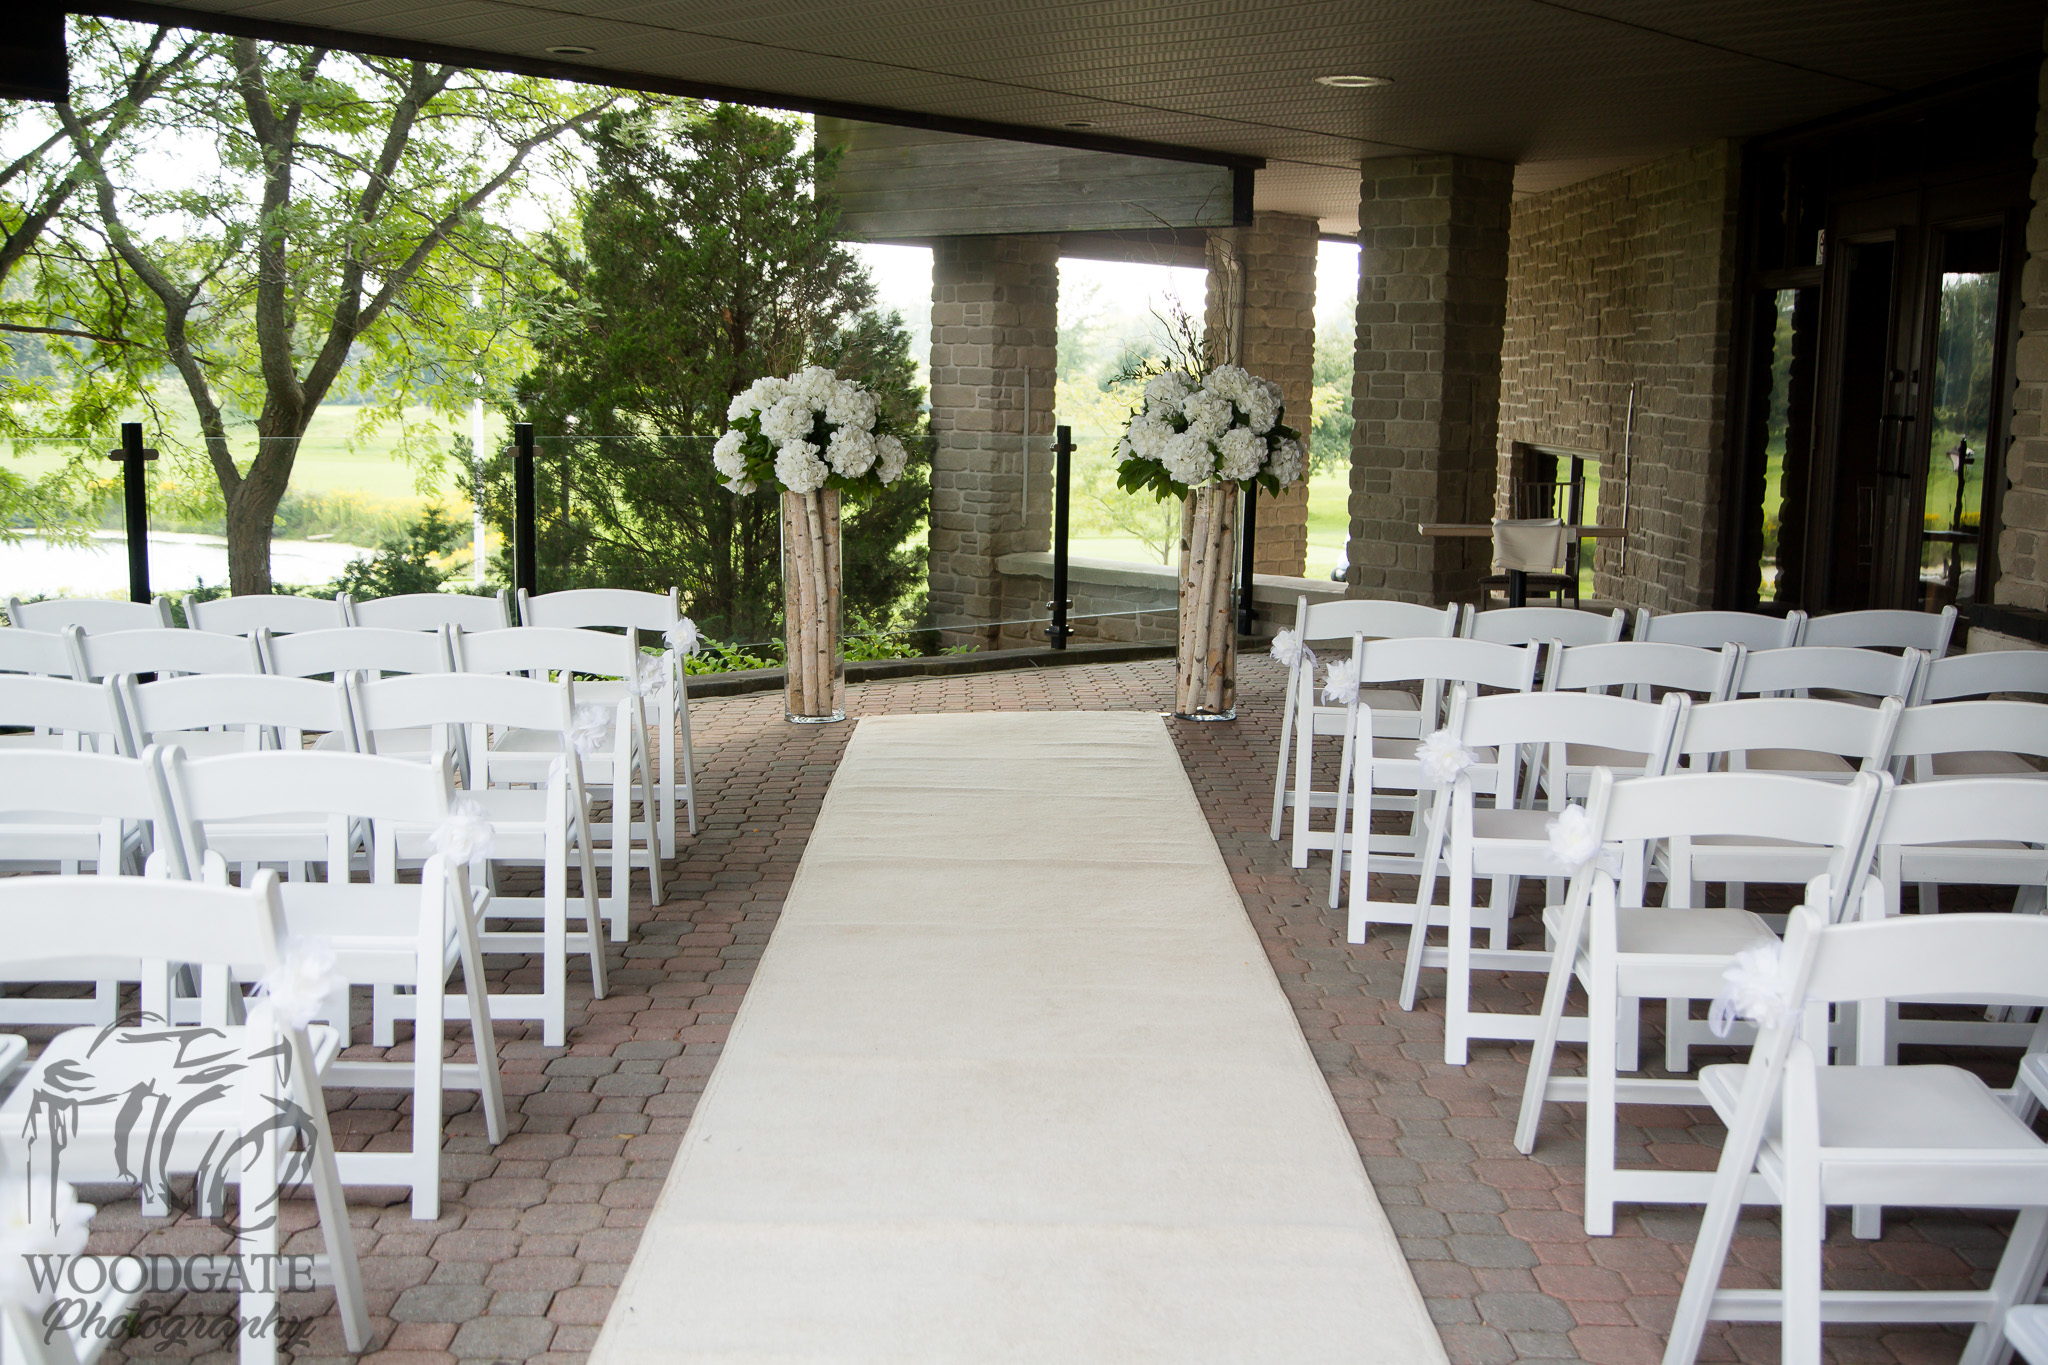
(1563, 88)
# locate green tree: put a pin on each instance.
(405, 564)
(707, 260)
(341, 223)
(1329, 439)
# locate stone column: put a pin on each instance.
(2023, 515)
(995, 329)
(1261, 315)
(1425, 393)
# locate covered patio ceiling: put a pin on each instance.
(1563, 90)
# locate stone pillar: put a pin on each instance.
(2023, 515)
(1425, 393)
(995, 330)
(1261, 315)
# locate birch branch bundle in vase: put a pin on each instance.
(1198, 438)
(813, 437)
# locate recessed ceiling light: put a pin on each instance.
(1079, 123)
(570, 50)
(1353, 82)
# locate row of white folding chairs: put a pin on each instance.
(1882, 628)
(263, 1127)
(1801, 1133)
(197, 816)
(255, 616)
(546, 824)
(1569, 732)
(639, 686)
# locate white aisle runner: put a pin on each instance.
(1015, 1082)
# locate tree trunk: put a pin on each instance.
(252, 514)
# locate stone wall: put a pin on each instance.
(1275, 338)
(1425, 395)
(1631, 277)
(2023, 517)
(995, 324)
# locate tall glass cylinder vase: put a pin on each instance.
(815, 690)
(1205, 684)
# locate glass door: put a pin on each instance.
(1964, 355)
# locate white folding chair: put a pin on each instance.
(612, 739)
(1994, 672)
(1713, 629)
(264, 1124)
(666, 689)
(1506, 843)
(59, 713)
(67, 812)
(280, 613)
(1387, 774)
(1936, 736)
(373, 651)
(1535, 625)
(1926, 631)
(1396, 714)
(90, 614)
(1854, 673)
(1816, 1136)
(43, 653)
(212, 714)
(385, 935)
(1621, 953)
(1637, 670)
(163, 651)
(434, 611)
(1806, 738)
(546, 825)
(2027, 1329)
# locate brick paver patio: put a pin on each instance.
(535, 1233)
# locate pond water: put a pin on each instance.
(178, 562)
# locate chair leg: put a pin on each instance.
(1364, 835)
(1543, 1055)
(429, 1030)
(483, 1035)
(1304, 727)
(1280, 769)
(1601, 1118)
(665, 718)
(1458, 964)
(334, 1225)
(554, 970)
(592, 923)
(2017, 1281)
(689, 764)
(1425, 896)
(1803, 1226)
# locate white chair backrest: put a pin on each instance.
(89, 711)
(1962, 727)
(1805, 724)
(1991, 958)
(123, 918)
(90, 614)
(1840, 816)
(55, 782)
(1534, 625)
(443, 700)
(1511, 668)
(434, 610)
(1979, 675)
(1375, 620)
(1927, 631)
(1637, 664)
(1517, 718)
(547, 649)
(1713, 629)
(353, 649)
(281, 612)
(45, 653)
(158, 650)
(389, 792)
(1966, 810)
(618, 608)
(253, 703)
(1839, 668)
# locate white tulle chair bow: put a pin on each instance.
(297, 989)
(1755, 990)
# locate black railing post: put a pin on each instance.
(1246, 614)
(525, 554)
(1063, 466)
(135, 507)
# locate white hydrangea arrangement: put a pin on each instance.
(810, 431)
(1223, 427)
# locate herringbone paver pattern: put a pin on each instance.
(536, 1232)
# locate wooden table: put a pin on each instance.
(1518, 581)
